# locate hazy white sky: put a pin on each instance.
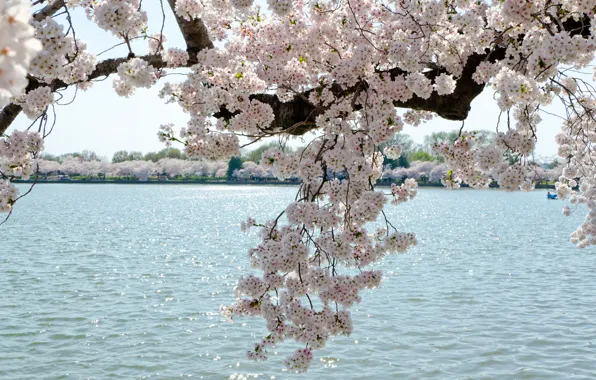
(103, 122)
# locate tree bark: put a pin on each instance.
(195, 34)
(7, 116)
(298, 116)
(49, 10)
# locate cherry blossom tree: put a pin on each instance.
(251, 170)
(75, 165)
(171, 167)
(203, 168)
(48, 167)
(221, 173)
(138, 169)
(437, 173)
(353, 72)
(143, 169)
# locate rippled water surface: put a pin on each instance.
(125, 281)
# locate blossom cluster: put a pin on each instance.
(121, 17)
(16, 160)
(404, 192)
(576, 183)
(299, 290)
(62, 57)
(35, 102)
(17, 47)
(133, 74)
(478, 165)
(175, 57)
(188, 9)
(392, 152)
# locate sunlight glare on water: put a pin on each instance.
(125, 281)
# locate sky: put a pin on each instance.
(101, 121)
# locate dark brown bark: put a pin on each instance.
(7, 116)
(457, 105)
(298, 116)
(195, 34)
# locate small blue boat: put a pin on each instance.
(551, 196)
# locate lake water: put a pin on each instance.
(125, 281)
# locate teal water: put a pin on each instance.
(125, 281)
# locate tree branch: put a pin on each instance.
(49, 10)
(457, 105)
(298, 116)
(195, 34)
(7, 116)
(103, 69)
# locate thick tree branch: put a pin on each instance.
(110, 66)
(103, 69)
(49, 10)
(7, 116)
(457, 105)
(298, 116)
(195, 34)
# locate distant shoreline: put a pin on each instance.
(207, 182)
(180, 182)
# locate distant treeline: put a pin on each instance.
(416, 161)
